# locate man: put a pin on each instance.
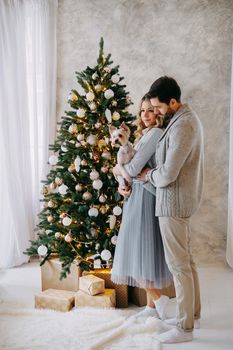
(178, 179)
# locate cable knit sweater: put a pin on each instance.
(178, 177)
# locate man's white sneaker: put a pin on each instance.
(172, 322)
(174, 335)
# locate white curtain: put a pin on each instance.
(229, 254)
(28, 121)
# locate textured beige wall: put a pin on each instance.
(187, 39)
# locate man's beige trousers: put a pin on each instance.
(176, 239)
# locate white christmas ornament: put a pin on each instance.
(106, 254)
(66, 221)
(91, 139)
(80, 113)
(108, 94)
(86, 196)
(116, 116)
(97, 184)
(97, 246)
(102, 198)
(94, 76)
(53, 160)
(93, 232)
(114, 240)
(42, 250)
(72, 97)
(58, 181)
(77, 163)
(92, 106)
(57, 235)
(107, 69)
(90, 96)
(93, 212)
(94, 175)
(115, 78)
(106, 155)
(73, 128)
(51, 204)
(62, 189)
(108, 115)
(104, 169)
(112, 221)
(78, 187)
(78, 144)
(97, 125)
(68, 238)
(117, 210)
(80, 137)
(63, 147)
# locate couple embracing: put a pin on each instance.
(154, 239)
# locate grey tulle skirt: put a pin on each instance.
(139, 255)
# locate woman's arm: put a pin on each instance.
(144, 152)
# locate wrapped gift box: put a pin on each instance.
(106, 299)
(138, 295)
(59, 300)
(121, 290)
(91, 284)
(50, 274)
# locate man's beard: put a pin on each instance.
(167, 117)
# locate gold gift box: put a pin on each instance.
(91, 284)
(59, 300)
(121, 290)
(106, 299)
(138, 295)
(50, 274)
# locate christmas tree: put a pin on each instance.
(82, 209)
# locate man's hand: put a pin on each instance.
(142, 175)
(116, 171)
(125, 191)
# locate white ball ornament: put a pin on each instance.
(106, 254)
(83, 162)
(51, 204)
(114, 240)
(91, 139)
(57, 235)
(90, 96)
(93, 212)
(97, 246)
(97, 125)
(73, 128)
(93, 232)
(80, 137)
(92, 106)
(107, 69)
(97, 184)
(42, 250)
(116, 116)
(78, 144)
(77, 163)
(115, 78)
(80, 112)
(94, 76)
(94, 175)
(104, 169)
(106, 155)
(68, 238)
(117, 210)
(62, 189)
(108, 94)
(58, 181)
(66, 221)
(64, 148)
(50, 218)
(102, 198)
(53, 160)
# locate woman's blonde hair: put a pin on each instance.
(141, 125)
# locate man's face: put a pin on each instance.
(162, 109)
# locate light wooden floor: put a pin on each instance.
(21, 283)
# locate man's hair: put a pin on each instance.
(165, 88)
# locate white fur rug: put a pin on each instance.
(79, 329)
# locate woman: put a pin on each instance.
(139, 255)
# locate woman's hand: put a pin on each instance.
(116, 171)
(125, 192)
(142, 175)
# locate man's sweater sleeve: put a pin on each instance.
(144, 153)
(181, 140)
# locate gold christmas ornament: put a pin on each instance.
(50, 218)
(62, 215)
(73, 128)
(68, 238)
(78, 187)
(116, 116)
(103, 209)
(114, 103)
(52, 186)
(101, 143)
(87, 196)
(51, 204)
(106, 155)
(44, 190)
(71, 168)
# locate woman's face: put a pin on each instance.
(147, 114)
